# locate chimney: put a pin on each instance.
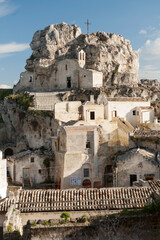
(92, 98)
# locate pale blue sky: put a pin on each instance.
(136, 20)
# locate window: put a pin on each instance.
(86, 172)
(40, 171)
(68, 82)
(83, 57)
(92, 115)
(133, 178)
(32, 159)
(147, 178)
(109, 169)
(84, 75)
(66, 67)
(114, 113)
(30, 78)
(88, 145)
(134, 112)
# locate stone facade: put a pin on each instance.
(28, 168)
(66, 74)
(134, 165)
(81, 146)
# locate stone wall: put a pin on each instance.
(130, 228)
(13, 221)
(45, 101)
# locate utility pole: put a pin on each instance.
(88, 23)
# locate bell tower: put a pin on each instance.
(82, 59)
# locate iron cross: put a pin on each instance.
(88, 23)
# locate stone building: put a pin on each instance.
(64, 74)
(133, 110)
(29, 168)
(81, 146)
(134, 165)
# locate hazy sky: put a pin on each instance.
(136, 20)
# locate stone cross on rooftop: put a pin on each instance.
(88, 23)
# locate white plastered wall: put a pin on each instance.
(3, 177)
(124, 110)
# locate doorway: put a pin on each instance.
(68, 82)
(26, 176)
(133, 178)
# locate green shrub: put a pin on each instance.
(65, 215)
(5, 92)
(33, 224)
(23, 100)
(151, 208)
(17, 231)
(83, 219)
(47, 223)
(9, 228)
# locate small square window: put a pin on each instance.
(92, 115)
(88, 144)
(134, 112)
(32, 159)
(86, 172)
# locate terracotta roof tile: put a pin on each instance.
(154, 184)
(82, 199)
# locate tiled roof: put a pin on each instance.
(147, 154)
(154, 184)
(125, 99)
(146, 133)
(82, 199)
(5, 204)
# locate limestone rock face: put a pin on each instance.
(108, 53)
(25, 129)
(46, 42)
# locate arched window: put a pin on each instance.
(87, 183)
(8, 152)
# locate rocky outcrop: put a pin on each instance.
(108, 53)
(150, 83)
(26, 129)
